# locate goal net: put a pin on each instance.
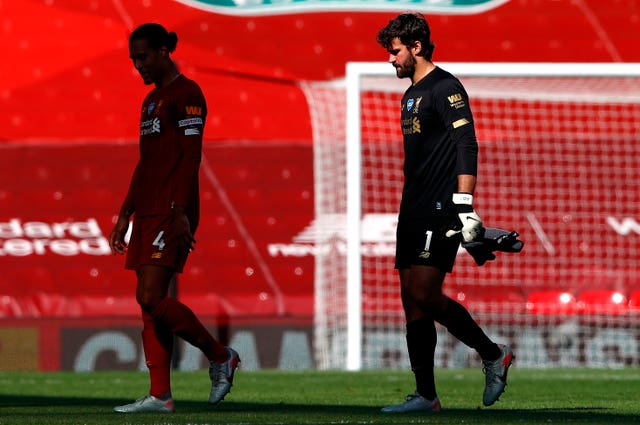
(559, 161)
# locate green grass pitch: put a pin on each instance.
(546, 396)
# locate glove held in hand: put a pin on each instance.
(482, 250)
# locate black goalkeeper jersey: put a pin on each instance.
(439, 144)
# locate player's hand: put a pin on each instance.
(116, 237)
(472, 228)
(181, 232)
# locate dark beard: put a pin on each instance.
(407, 69)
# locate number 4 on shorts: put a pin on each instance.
(158, 241)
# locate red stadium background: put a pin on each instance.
(69, 101)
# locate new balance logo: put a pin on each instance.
(327, 235)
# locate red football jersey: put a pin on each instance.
(171, 131)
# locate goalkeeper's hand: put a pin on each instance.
(472, 228)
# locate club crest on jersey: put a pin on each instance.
(151, 107)
(418, 100)
(409, 104)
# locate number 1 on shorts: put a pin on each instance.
(427, 243)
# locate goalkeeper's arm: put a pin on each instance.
(472, 228)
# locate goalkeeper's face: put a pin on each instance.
(402, 59)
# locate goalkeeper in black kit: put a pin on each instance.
(436, 211)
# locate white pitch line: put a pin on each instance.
(546, 243)
(122, 11)
(244, 233)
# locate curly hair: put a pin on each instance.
(156, 35)
(408, 28)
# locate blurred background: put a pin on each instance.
(69, 113)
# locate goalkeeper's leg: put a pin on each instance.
(421, 344)
(424, 287)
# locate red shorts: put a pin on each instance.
(151, 244)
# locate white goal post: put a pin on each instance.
(559, 162)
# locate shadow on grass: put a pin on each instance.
(260, 413)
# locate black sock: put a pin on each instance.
(460, 324)
(421, 342)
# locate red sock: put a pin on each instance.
(179, 318)
(158, 347)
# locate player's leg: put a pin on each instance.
(421, 338)
(412, 240)
(424, 287)
(156, 258)
(421, 343)
(496, 359)
(496, 375)
(181, 321)
(151, 293)
(157, 342)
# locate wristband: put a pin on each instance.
(463, 202)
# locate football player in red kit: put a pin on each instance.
(163, 199)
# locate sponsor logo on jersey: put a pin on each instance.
(191, 132)
(411, 125)
(193, 110)
(416, 126)
(149, 126)
(269, 7)
(454, 98)
(456, 101)
(189, 122)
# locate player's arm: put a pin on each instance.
(456, 113)
(472, 227)
(120, 228)
(190, 129)
(466, 183)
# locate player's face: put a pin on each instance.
(402, 59)
(147, 60)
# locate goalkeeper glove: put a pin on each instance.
(482, 250)
(472, 228)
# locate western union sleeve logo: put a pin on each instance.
(270, 7)
(454, 98)
(456, 101)
(193, 110)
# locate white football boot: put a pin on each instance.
(221, 375)
(496, 375)
(147, 403)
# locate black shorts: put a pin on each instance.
(424, 242)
